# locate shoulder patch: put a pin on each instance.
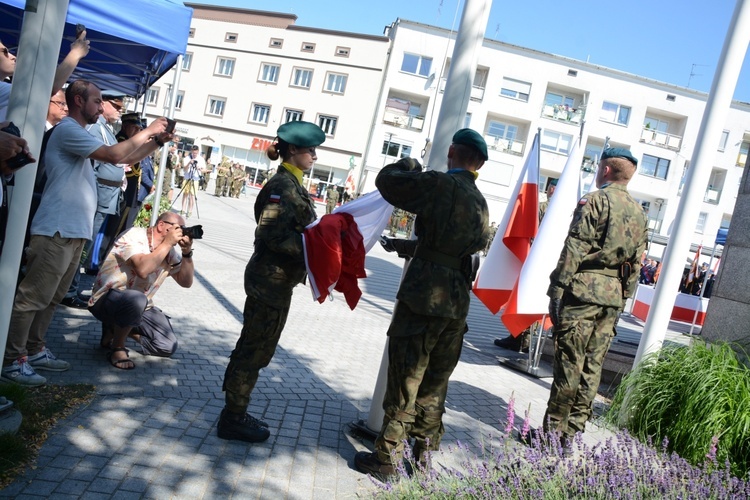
(583, 201)
(274, 198)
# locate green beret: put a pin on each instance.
(301, 134)
(468, 137)
(553, 182)
(619, 153)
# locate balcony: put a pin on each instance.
(477, 93)
(712, 196)
(512, 147)
(661, 139)
(400, 119)
(563, 113)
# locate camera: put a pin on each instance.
(194, 232)
(21, 158)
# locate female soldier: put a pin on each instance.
(282, 210)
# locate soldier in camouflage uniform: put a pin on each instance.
(332, 197)
(429, 321)
(282, 210)
(238, 180)
(222, 174)
(597, 270)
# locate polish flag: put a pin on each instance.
(528, 301)
(335, 246)
(501, 267)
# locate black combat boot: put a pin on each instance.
(241, 427)
(368, 463)
(518, 344)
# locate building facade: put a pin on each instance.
(247, 72)
(517, 91)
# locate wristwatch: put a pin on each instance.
(188, 255)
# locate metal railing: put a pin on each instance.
(661, 139)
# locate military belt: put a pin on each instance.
(612, 273)
(107, 182)
(438, 257)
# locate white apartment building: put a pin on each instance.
(247, 72)
(517, 90)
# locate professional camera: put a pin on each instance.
(21, 158)
(194, 232)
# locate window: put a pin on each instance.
(652, 123)
(671, 98)
(269, 73)
(725, 220)
(301, 77)
(216, 106)
(654, 166)
(224, 67)
(328, 124)
(559, 99)
(515, 89)
(292, 115)
(416, 65)
(152, 95)
(502, 130)
(395, 149)
(556, 142)
(308, 47)
(187, 61)
(230, 37)
(260, 113)
(335, 83)
(615, 113)
(276, 43)
(701, 224)
(342, 51)
(724, 140)
(178, 102)
(572, 72)
(467, 120)
(744, 149)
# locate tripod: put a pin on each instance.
(189, 191)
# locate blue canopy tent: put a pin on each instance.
(721, 236)
(133, 42)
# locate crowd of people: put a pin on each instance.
(95, 178)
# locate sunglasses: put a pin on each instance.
(5, 51)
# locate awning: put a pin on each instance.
(133, 42)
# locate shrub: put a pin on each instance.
(698, 396)
(143, 219)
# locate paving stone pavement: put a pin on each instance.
(150, 432)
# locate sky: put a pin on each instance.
(673, 41)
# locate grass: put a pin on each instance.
(41, 408)
(697, 397)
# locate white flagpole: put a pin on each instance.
(717, 107)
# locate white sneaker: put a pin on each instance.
(22, 373)
(45, 360)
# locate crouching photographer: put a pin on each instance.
(135, 268)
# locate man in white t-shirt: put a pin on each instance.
(135, 268)
(62, 225)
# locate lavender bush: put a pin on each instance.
(620, 467)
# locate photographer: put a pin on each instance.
(193, 165)
(128, 279)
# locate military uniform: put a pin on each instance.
(607, 231)
(238, 179)
(429, 323)
(282, 210)
(332, 197)
(222, 174)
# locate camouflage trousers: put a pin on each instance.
(256, 346)
(423, 351)
(221, 186)
(581, 342)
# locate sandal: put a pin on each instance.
(118, 363)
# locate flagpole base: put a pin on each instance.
(542, 370)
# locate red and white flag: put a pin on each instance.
(528, 301)
(499, 272)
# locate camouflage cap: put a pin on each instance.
(301, 134)
(468, 137)
(619, 153)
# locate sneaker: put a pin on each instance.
(75, 302)
(241, 428)
(22, 373)
(45, 360)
